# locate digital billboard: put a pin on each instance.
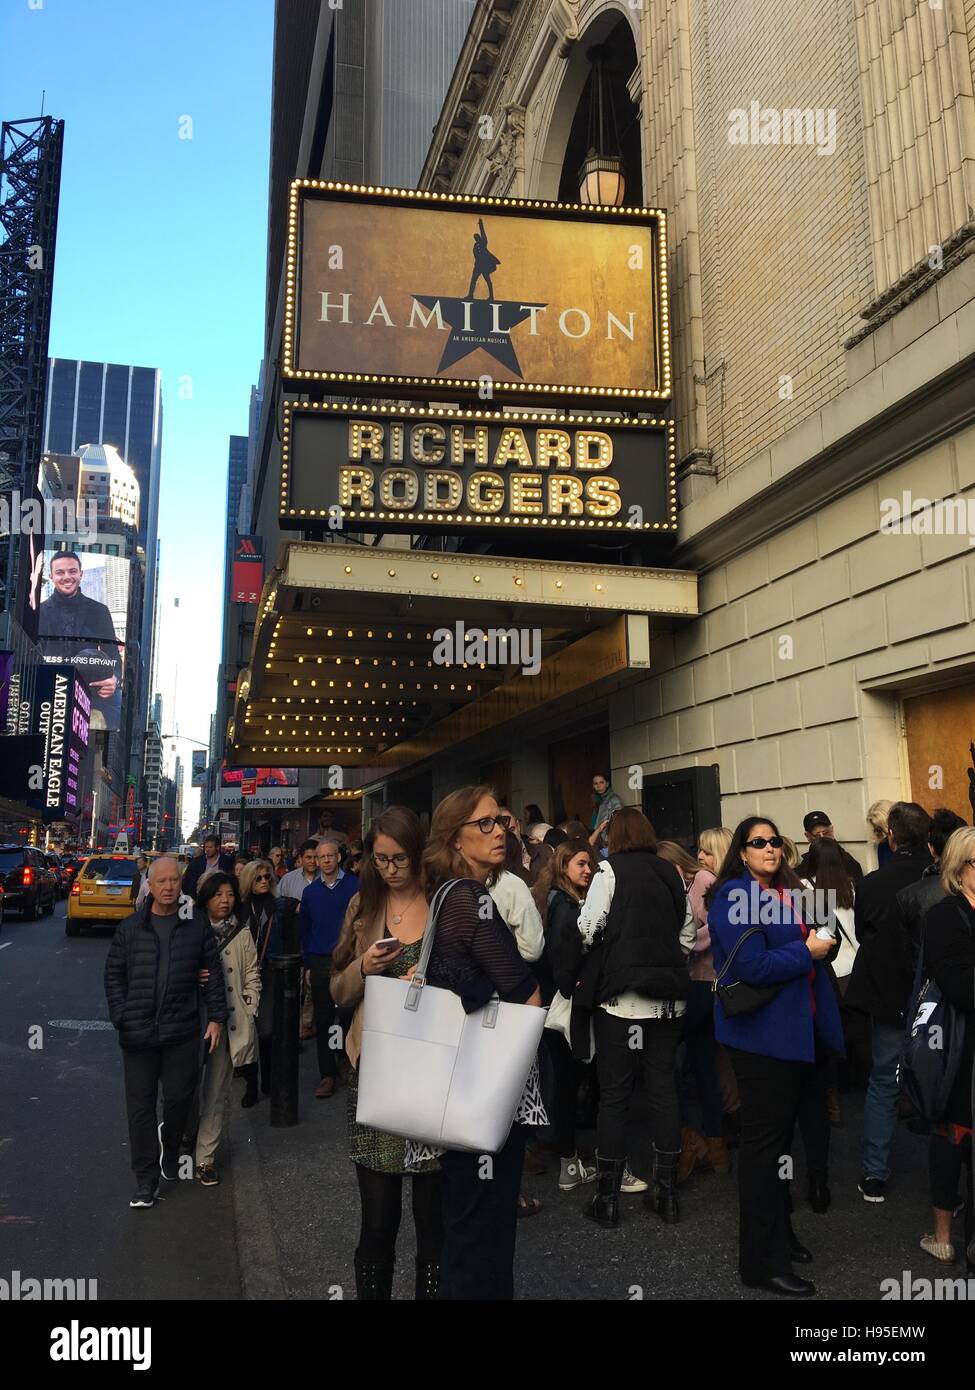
(82, 621)
(62, 717)
(275, 787)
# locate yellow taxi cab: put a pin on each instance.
(104, 891)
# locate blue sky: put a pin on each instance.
(161, 255)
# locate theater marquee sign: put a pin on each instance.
(436, 292)
(380, 467)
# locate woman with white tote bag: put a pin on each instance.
(475, 955)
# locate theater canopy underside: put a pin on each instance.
(377, 658)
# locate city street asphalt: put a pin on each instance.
(283, 1223)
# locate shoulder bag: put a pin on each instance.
(739, 998)
(428, 1071)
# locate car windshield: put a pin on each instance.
(10, 859)
(112, 870)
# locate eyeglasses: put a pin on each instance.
(262, 878)
(383, 861)
(487, 823)
(760, 842)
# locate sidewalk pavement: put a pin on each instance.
(297, 1213)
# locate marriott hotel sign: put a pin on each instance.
(434, 294)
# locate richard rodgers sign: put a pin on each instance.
(378, 468)
(455, 293)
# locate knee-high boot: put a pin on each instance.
(662, 1197)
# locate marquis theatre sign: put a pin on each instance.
(443, 293)
(382, 467)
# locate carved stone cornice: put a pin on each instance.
(478, 60)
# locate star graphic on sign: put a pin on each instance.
(479, 323)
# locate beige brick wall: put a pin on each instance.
(857, 610)
(785, 242)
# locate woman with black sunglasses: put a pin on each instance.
(258, 894)
(760, 936)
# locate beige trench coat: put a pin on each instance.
(242, 978)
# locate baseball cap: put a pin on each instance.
(814, 818)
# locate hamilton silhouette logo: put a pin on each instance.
(481, 323)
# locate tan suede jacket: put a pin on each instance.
(347, 986)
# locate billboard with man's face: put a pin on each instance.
(81, 622)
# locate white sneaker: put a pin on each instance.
(631, 1183)
(573, 1173)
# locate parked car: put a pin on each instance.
(30, 884)
(104, 891)
(56, 863)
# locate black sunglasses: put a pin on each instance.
(760, 842)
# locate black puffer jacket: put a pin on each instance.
(130, 980)
(641, 939)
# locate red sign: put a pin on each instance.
(248, 786)
(247, 577)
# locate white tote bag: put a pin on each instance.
(431, 1072)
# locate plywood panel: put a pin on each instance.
(940, 733)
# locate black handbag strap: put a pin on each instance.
(752, 931)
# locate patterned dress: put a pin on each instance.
(384, 1153)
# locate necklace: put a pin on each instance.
(398, 916)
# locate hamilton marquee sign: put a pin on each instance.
(380, 467)
(442, 293)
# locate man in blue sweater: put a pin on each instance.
(320, 917)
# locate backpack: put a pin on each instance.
(930, 1054)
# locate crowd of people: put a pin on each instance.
(733, 988)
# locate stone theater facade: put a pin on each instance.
(804, 640)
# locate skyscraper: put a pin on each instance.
(236, 481)
(106, 403)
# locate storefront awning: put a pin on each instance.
(375, 658)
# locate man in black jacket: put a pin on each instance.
(880, 983)
(914, 900)
(817, 825)
(152, 984)
(210, 861)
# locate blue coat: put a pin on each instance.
(785, 1027)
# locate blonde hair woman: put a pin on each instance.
(713, 846)
(258, 886)
(877, 821)
(948, 949)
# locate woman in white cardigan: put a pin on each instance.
(220, 900)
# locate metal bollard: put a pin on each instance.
(286, 975)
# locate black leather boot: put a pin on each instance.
(819, 1193)
(250, 1096)
(662, 1196)
(373, 1280)
(604, 1207)
(427, 1281)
